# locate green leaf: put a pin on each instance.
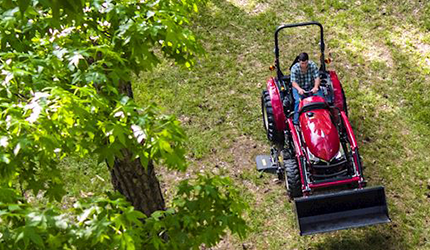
(128, 242)
(14, 207)
(74, 60)
(4, 158)
(55, 11)
(164, 145)
(30, 233)
(110, 159)
(23, 5)
(144, 160)
(118, 131)
(8, 195)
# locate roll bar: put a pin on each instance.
(322, 45)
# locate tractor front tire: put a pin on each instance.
(274, 136)
(292, 178)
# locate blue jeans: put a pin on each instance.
(297, 98)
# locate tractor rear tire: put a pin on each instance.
(292, 178)
(273, 135)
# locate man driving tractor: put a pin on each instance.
(321, 151)
(304, 77)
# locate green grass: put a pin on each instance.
(381, 51)
(84, 178)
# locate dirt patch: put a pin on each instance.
(233, 161)
(244, 151)
(423, 48)
(260, 8)
(250, 7)
(237, 161)
(380, 52)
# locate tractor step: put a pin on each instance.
(341, 210)
(264, 164)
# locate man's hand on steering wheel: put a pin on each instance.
(301, 91)
(314, 90)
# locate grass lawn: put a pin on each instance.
(381, 52)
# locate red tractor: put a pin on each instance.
(318, 158)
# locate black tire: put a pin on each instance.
(292, 179)
(273, 135)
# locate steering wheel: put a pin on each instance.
(307, 93)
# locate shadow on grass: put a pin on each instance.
(371, 238)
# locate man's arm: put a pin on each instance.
(294, 81)
(316, 85)
(317, 79)
(297, 87)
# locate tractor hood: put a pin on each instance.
(320, 134)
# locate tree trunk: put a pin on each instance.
(137, 183)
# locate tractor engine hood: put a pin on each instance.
(320, 134)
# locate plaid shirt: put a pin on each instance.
(305, 80)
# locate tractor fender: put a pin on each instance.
(337, 91)
(278, 110)
(349, 131)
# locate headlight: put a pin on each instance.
(312, 157)
(339, 154)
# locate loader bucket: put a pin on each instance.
(341, 210)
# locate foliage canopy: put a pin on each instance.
(63, 64)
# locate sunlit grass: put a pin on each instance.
(381, 51)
